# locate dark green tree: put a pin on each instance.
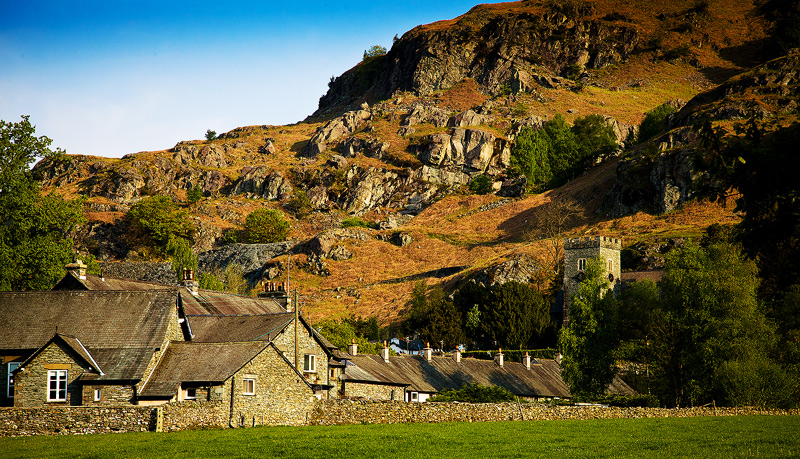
(481, 184)
(596, 138)
(654, 122)
(182, 256)
(34, 229)
(194, 194)
(588, 342)
(712, 340)
(211, 135)
(157, 219)
(264, 226)
(513, 314)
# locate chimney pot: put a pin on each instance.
(457, 354)
(385, 352)
(499, 357)
(526, 360)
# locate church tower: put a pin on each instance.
(577, 253)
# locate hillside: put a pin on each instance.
(397, 139)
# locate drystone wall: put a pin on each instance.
(333, 412)
(75, 420)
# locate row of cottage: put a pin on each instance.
(96, 341)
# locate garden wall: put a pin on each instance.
(330, 412)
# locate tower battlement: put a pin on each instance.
(589, 242)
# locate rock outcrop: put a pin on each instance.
(252, 258)
(262, 182)
(335, 130)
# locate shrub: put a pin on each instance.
(356, 222)
(480, 184)
(474, 393)
(182, 256)
(654, 122)
(264, 226)
(300, 205)
(194, 194)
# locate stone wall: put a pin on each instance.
(74, 420)
(332, 412)
(373, 391)
(189, 415)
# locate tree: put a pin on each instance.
(300, 205)
(341, 333)
(34, 234)
(374, 51)
(157, 219)
(211, 135)
(711, 337)
(481, 184)
(264, 226)
(182, 255)
(587, 343)
(434, 316)
(596, 138)
(513, 314)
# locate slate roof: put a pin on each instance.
(206, 302)
(118, 319)
(119, 330)
(444, 373)
(216, 329)
(199, 362)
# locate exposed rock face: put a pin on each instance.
(329, 243)
(372, 148)
(522, 268)
(426, 114)
(262, 182)
(470, 151)
(207, 155)
(470, 118)
(250, 257)
(335, 130)
(158, 272)
(429, 59)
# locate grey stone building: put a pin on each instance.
(578, 252)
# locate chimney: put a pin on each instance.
(352, 348)
(526, 360)
(499, 357)
(559, 357)
(77, 267)
(385, 352)
(427, 352)
(457, 354)
(188, 281)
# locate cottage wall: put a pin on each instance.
(280, 398)
(373, 391)
(307, 345)
(110, 395)
(31, 384)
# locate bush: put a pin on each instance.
(474, 393)
(182, 255)
(194, 194)
(654, 122)
(481, 184)
(265, 226)
(300, 205)
(355, 222)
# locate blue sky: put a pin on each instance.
(117, 77)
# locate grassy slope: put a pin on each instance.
(451, 233)
(738, 436)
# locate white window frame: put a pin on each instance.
(309, 363)
(190, 396)
(249, 386)
(581, 264)
(414, 397)
(98, 395)
(60, 378)
(10, 381)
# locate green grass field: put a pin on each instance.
(761, 436)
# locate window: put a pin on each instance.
(98, 395)
(333, 373)
(581, 264)
(249, 386)
(11, 367)
(191, 393)
(310, 363)
(610, 265)
(415, 396)
(57, 385)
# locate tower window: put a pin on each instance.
(581, 264)
(610, 265)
